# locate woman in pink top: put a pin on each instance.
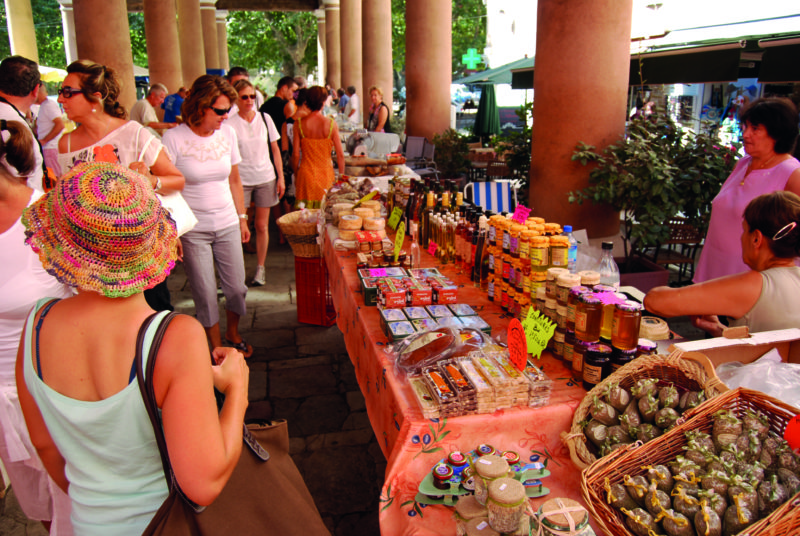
(770, 132)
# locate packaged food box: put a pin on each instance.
(476, 322)
(438, 311)
(419, 293)
(415, 313)
(462, 309)
(388, 316)
(369, 289)
(424, 273)
(400, 330)
(444, 290)
(540, 386)
(428, 404)
(381, 272)
(425, 324)
(391, 294)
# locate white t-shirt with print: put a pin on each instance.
(123, 145)
(256, 166)
(206, 162)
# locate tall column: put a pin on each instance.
(333, 50)
(21, 34)
(190, 33)
(428, 66)
(163, 46)
(377, 38)
(222, 39)
(351, 48)
(105, 38)
(321, 55)
(208, 17)
(581, 83)
(68, 24)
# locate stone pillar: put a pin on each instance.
(208, 17)
(352, 49)
(68, 23)
(105, 38)
(377, 40)
(190, 33)
(21, 34)
(333, 51)
(428, 66)
(163, 46)
(222, 39)
(581, 83)
(321, 55)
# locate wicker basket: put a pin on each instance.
(629, 461)
(684, 370)
(302, 237)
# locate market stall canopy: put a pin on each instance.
(498, 75)
(52, 74)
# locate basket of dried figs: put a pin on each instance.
(725, 471)
(638, 403)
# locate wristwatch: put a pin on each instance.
(242, 216)
(157, 187)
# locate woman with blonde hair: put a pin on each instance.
(379, 113)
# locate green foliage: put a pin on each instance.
(656, 172)
(516, 146)
(49, 33)
(451, 153)
(138, 40)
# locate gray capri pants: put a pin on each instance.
(202, 250)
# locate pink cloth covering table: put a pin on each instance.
(413, 444)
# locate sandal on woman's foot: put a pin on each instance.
(242, 346)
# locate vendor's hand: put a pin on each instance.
(142, 169)
(179, 246)
(230, 371)
(281, 187)
(245, 231)
(708, 323)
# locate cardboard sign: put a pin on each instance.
(432, 247)
(521, 214)
(365, 198)
(538, 331)
(517, 344)
(792, 432)
(398, 239)
(394, 218)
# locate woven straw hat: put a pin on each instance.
(102, 229)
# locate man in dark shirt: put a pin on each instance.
(172, 105)
(274, 105)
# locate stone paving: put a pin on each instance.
(301, 373)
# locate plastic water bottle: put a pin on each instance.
(572, 251)
(609, 271)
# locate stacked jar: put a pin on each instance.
(564, 283)
(487, 469)
(625, 332)
(588, 317)
(569, 334)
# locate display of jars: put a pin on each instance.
(588, 317)
(596, 365)
(552, 277)
(539, 252)
(572, 302)
(564, 283)
(625, 331)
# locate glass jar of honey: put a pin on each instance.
(552, 277)
(564, 283)
(596, 365)
(625, 330)
(525, 244)
(572, 301)
(514, 236)
(541, 300)
(578, 353)
(569, 348)
(561, 315)
(504, 297)
(589, 278)
(588, 316)
(490, 288)
(559, 249)
(558, 342)
(537, 280)
(539, 252)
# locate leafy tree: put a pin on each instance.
(49, 33)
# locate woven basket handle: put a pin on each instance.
(569, 441)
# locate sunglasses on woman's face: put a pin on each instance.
(247, 97)
(68, 92)
(220, 111)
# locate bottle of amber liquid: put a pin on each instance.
(625, 330)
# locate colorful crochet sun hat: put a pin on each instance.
(102, 228)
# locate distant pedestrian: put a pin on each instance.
(172, 105)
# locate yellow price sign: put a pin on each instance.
(538, 331)
(367, 197)
(398, 239)
(394, 219)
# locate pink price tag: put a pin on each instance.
(521, 214)
(432, 248)
(377, 272)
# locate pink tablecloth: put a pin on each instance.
(413, 444)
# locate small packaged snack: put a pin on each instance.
(388, 316)
(429, 406)
(415, 313)
(461, 385)
(462, 309)
(438, 311)
(476, 322)
(425, 324)
(400, 330)
(484, 392)
(540, 386)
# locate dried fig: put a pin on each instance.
(617, 396)
(668, 397)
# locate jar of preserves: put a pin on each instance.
(507, 504)
(588, 316)
(525, 244)
(498, 263)
(561, 316)
(563, 284)
(539, 251)
(596, 365)
(490, 288)
(625, 331)
(524, 306)
(550, 309)
(620, 358)
(442, 473)
(487, 469)
(541, 300)
(537, 280)
(526, 279)
(589, 278)
(504, 297)
(558, 342)
(514, 236)
(559, 249)
(506, 267)
(578, 354)
(552, 277)
(572, 301)
(569, 348)
(512, 273)
(646, 347)
(506, 237)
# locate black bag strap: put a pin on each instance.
(269, 142)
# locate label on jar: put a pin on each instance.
(539, 257)
(490, 289)
(491, 262)
(506, 241)
(569, 352)
(492, 233)
(580, 321)
(592, 374)
(524, 249)
(577, 361)
(513, 245)
(558, 256)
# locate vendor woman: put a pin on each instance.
(763, 298)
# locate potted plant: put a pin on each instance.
(451, 154)
(654, 173)
(515, 145)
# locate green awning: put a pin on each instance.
(498, 75)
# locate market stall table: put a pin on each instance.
(413, 444)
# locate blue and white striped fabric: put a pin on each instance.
(494, 196)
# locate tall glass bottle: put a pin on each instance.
(609, 271)
(425, 226)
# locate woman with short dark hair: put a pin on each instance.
(770, 132)
(315, 135)
(206, 151)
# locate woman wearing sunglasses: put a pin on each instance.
(261, 179)
(206, 151)
(89, 96)
(764, 298)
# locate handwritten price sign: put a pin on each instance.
(398, 239)
(521, 214)
(517, 344)
(538, 331)
(394, 218)
(432, 247)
